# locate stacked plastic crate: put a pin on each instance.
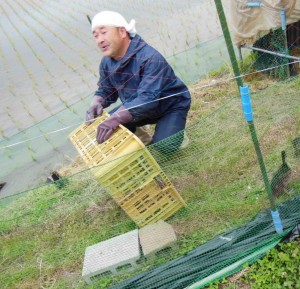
(129, 173)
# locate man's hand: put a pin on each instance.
(95, 110)
(107, 127)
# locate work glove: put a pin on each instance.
(107, 127)
(95, 110)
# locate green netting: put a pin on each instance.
(277, 52)
(220, 182)
(275, 41)
(50, 70)
(220, 253)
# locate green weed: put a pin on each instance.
(280, 268)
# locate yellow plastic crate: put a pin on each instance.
(156, 200)
(121, 142)
(128, 171)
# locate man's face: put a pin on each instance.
(110, 40)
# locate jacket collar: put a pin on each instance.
(136, 44)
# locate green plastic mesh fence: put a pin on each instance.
(46, 231)
(277, 53)
(152, 217)
(275, 41)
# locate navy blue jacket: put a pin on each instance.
(141, 79)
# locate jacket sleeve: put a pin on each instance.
(156, 74)
(105, 89)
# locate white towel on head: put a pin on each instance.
(111, 18)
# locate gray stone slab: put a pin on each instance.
(109, 255)
(156, 237)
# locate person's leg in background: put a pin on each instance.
(170, 124)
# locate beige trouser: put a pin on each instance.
(142, 132)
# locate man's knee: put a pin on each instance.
(169, 144)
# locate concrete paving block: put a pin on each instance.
(109, 255)
(156, 237)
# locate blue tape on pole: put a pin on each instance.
(246, 102)
(253, 4)
(283, 19)
(277, 221)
